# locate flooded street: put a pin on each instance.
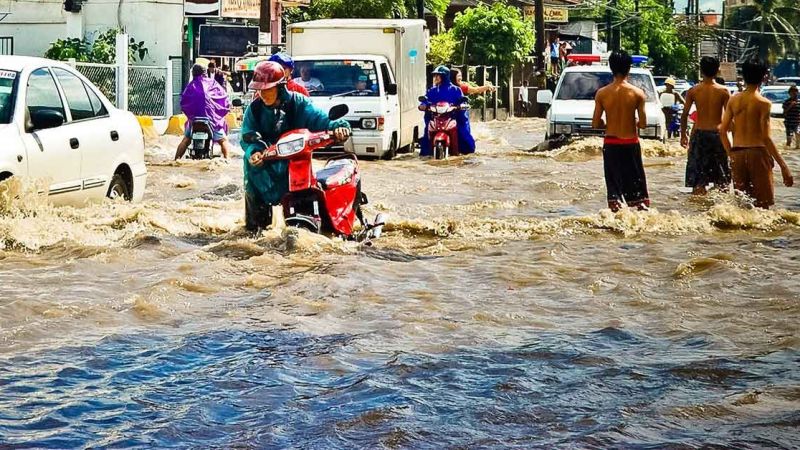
(504, 306)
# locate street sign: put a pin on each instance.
(727, 70)
(528, 13)
(556, 15)
(241, 9)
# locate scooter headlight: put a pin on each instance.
(290, 147)
(441, 109)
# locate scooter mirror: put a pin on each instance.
(338, 111)
(423, 99)
(464, 100)
(252, 137)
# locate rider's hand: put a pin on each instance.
(257, 159)
(684, 141)
(341, 134)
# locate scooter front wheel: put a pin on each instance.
(439, 150)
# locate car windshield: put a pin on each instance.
(776, 96)
(584, 85)
(325, 78)
(7, 94)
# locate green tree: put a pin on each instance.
(379, 9)
(493, 35)
(764, 17)
(102, 50)
(443, 46)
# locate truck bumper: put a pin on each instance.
(371, 143)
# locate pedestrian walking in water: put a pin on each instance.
(753, 154)
(707, 160)
(791, 118)
(622, 155)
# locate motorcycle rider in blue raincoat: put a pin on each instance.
(444, 90)
(273, 113)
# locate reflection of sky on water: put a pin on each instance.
(274, 389)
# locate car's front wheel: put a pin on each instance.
(118, 188)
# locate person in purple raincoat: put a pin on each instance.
(204, 97)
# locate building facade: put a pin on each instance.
(36, 24)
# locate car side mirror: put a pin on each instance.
(391, 89)
(544, 97)
(237, 102)
(252, 137)
(423, 99)
(338, 111)
(46, 118)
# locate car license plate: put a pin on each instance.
(200, 136)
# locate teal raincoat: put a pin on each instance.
(270, 182)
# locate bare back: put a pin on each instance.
(620, 101)
(710, 100)
(748, 111)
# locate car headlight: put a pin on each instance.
(290, 147)
(369, 124)
(563, 128)
(649, 132)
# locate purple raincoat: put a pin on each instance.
(204, 97)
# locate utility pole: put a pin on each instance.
(609, 33)
(636, 43)
(723, 51)
(539, 24)
(616, 33)
(421, 9)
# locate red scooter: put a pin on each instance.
(443, 128)
(326, 201)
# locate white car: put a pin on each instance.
(572, 105)
(777, 95)
(56, 126)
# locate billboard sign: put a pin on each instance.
(201, 8)
(226, 40)
(556, 15)
(241, 9)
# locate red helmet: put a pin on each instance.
(268, 74)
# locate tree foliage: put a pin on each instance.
(492, 35)
(781, 17)
(378, 9)
(102, 50)
(443, 47)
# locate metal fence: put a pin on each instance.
(147, 90)
(104, 76)
(148, 93)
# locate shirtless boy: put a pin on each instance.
(753, 154)
(708, 161)
(622, 155)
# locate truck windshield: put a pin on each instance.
(325, 78)
(584, 85)
(7, 95)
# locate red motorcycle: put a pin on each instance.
(443, 128)
(326, 201)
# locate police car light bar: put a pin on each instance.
(583, 58)
(639, 59)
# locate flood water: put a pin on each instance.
(504, 307)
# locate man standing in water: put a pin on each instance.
(622, 155)
(753, 154)
(708, 161)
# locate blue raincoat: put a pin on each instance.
(448, 92)
(270, 182)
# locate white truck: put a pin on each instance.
(374, 66)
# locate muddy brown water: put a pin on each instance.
(504, 306)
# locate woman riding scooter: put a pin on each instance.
(275, 112)
(445, 91)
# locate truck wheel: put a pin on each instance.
(392, 152)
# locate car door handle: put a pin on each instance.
(74, 143)
(114, 136)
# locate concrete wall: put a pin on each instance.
(35, 24)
